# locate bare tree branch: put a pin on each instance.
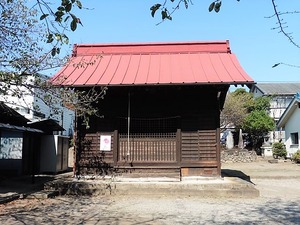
(281, 24)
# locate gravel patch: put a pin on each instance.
(278, 204)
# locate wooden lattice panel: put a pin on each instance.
(151, 147)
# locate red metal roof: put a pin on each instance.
(152, 63)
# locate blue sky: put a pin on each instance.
(243, 23)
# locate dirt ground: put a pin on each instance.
(274, 180)
(279, 203)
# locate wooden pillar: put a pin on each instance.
(178, 147)
(218, 151)
(116, 147)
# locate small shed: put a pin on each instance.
(17, 143)
(161, 112)
(54, 148)
(30, 147)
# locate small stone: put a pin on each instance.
(273, 160)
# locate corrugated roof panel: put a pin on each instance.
(132, 69)
(220, 67)
(121, 71)
(112, 67)
(68, 74)
(153, 70)
(154, 63)
(211, 75)
(165, 73)
(86, 68)
(220, 71)
(143, 69)
(239, 74)
(198, 74)
(101, 64)
(230, 68)
(176, 62)
(186, 70)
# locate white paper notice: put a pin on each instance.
(105, 143)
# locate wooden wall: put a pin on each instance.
(194, 112)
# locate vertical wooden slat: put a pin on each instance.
(218, 151)
(178, 146)
(115, 147)
(149, 147)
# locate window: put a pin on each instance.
(295, 138)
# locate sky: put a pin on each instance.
(244, 23)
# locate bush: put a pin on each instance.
(279, 150)
(296, 157)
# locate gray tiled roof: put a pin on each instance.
(278, 88)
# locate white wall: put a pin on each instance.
(28, 104)
(22, 104)
(54, 153)
(278, 105)
(257, 93)
(292, 126)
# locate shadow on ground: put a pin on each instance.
(235, 173)
(23, 184)
(145, 211)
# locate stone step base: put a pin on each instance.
(227, 187)
(43, 194)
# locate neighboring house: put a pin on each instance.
(30, 148)
(18, 143)
(281, 95)
(161, 112)
(290, 122)
(34, 109)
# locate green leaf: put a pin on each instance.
(53, 51)
(163, 15)
(275, 65)
(73, 24)
(50, 38)
(44, 16)
(218, 6)
(211, 6)
(79, 4)
(61, 8)
(59, 15)
(65, 2)
(154, 8)
(69, 7)
(73, 16)
(186, 4)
